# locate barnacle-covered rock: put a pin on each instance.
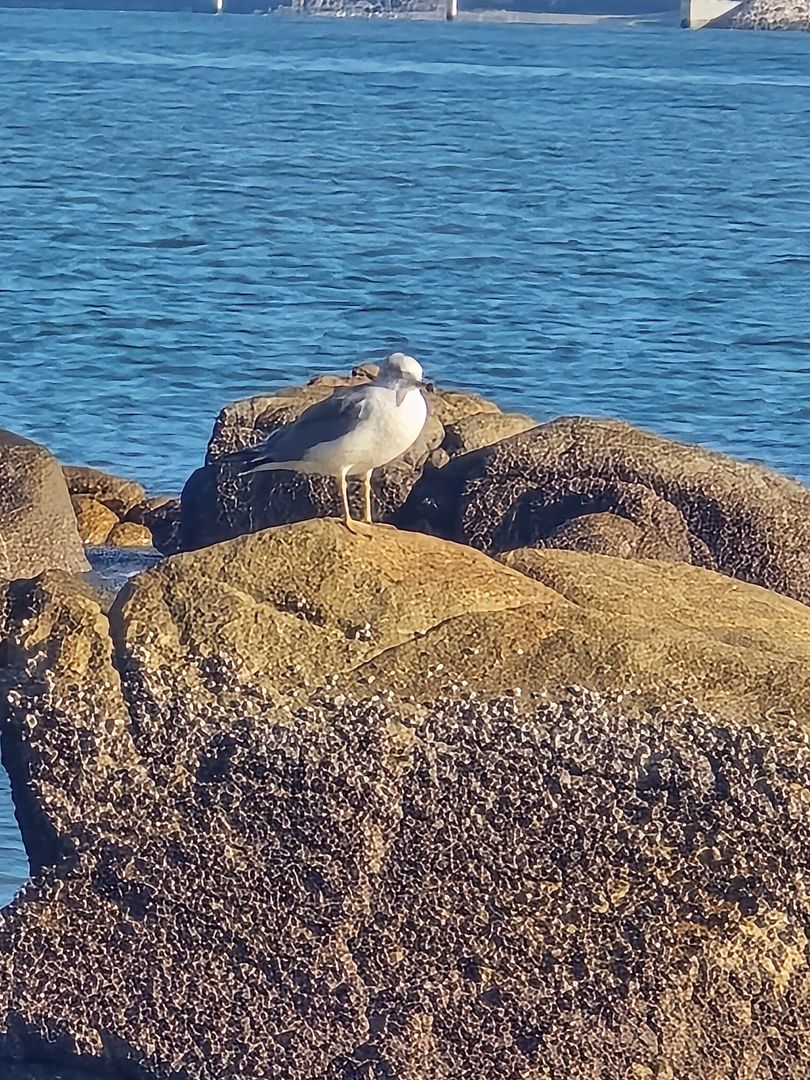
(697, 505)
(312, 806)
(472, 891)
(299, 608)
(56, 665)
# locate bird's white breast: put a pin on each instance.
(393, 426)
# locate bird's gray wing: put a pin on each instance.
(322, 422)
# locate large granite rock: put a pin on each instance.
(687, 503)
(291, 819)
(294, 610)
(37, 524)
(218, 504)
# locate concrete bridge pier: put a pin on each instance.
(698, 13)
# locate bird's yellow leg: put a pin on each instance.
(367, 497)
(355, 527)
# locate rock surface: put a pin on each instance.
(112, 510)
(475, 430)
(766, 15)
(218, 505)
(690, 503)
(128, 534)
(297, 609)
(37, 524)
(94, 520)
(290, 821)
(116, 493)
(161, 516)
(610, 534)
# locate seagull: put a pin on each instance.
(351, 433)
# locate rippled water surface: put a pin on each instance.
(567, 219)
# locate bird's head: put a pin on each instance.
(398, 367)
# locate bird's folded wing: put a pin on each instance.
(323, 422)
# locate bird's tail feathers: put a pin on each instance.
(251, 459)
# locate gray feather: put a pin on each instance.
(322, 422)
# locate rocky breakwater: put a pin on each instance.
(766, 15)
(118, 513)
(369, 8)
(314, 806)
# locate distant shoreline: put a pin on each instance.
(499, 15)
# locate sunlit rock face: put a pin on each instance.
(37, 523)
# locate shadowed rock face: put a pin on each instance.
(244, 872)
(161, 515)
(37, 524)
(610, 534)
(693, 504)
(218, 504)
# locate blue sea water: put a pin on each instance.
(567, 219)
